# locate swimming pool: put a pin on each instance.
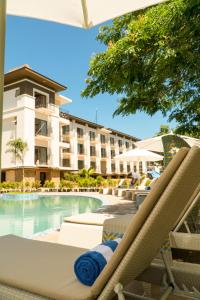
(28, 217)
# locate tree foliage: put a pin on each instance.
(18, 147)
(164, 129)
(152, 60)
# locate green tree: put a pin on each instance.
(151, 60)
(19, 148)
(164, 129)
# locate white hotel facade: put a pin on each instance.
(57, 141)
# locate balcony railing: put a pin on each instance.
(41, 161)
(65, 139)
(40, 101)
(41, 131)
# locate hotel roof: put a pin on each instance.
(96, 126)
(25, 72)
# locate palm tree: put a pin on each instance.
(86, 173)
(18, 147)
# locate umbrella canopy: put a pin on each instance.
(80, 13)
(139, 155)
(155, 143)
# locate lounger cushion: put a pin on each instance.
(49, 272)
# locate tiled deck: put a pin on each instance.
(76, 233)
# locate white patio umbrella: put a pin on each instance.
(155, 143)
(137, 155)
(80, 13)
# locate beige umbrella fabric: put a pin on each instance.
(155, 143)
(80, 13)
(139, 155)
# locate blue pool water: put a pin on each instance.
(28, 217)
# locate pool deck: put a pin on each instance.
(82, 232)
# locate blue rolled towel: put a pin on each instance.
(89, 265)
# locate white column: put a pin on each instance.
(54, 149)
(87, 147)
(108, 149)
(98, 152)
(25, 127)
(73, 145)
(117, 163)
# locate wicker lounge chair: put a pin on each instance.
(36, 270)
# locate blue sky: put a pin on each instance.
(63, 53)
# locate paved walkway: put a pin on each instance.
(75, 234)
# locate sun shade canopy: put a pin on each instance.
(139, 155)
(155, 143)
(80, 13)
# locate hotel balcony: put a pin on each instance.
(41, 156)
(65, 163)
(41, 131)
(65, 138)
(42, 106)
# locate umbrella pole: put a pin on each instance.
(2, 55)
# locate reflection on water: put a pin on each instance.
(25, 218)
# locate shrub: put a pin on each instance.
(71, 177)
(87, 182)
(49, 184)
(27, 184)
(148, 182)
(126, 183)
(66, 184)
(36, 184)
(99, 180)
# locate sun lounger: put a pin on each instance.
(31, 269)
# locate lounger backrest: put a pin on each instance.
(184, 185)
(139, 219)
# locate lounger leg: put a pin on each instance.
(118, 289)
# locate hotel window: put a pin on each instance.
(65, 129)
(92, 151)
(66, 162)
(41, 127)
(40, 155)
(121, 167)
(112, 153)
(92, 136)
(112, 141)
(113, 168)
(133, 146)
(66, 150)
(80, 164)
(80, 149)
(103, 152)
(93, 165)
(127, 145)
(120, 143)
(40, 100)
(128, 168)
(79, 132)
(103, 139)
(120, 152)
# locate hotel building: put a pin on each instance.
(57, 141)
